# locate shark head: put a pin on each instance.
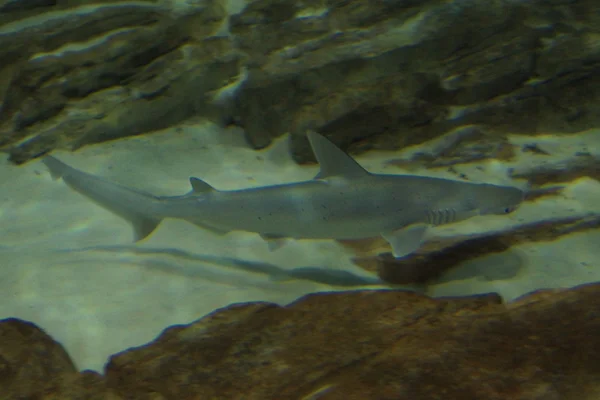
(493, 199)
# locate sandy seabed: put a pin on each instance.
(71, 267)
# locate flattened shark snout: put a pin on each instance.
(500, 199)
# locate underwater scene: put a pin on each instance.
(281, 199)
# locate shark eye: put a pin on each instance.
(507, 210)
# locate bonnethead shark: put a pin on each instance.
(343, 201)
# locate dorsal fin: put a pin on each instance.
(199, 186)
(333, 161)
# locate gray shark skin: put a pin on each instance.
(343, 201)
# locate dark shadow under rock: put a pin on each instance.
(438, 256)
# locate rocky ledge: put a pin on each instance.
(398, 72)
(84, 72)
(350, 345)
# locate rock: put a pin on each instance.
(582, 165)
(93, 72)
(440, 255)
(403, 72)
(86, 385)
(377, 345)
(393, 72)
(28, 355)
(33, 365)
(465, 144)
(352, 345)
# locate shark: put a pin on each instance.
(343, 201)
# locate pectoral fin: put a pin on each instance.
(142, 226)
(406, 240)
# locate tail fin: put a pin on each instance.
(133, 205)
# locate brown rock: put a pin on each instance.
(377, 345)
(87, 385)
(34, 366)
(28, 355)
(354, 345)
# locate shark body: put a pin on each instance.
(344, 201)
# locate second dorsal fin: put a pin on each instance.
(199, 186)
(332, 160)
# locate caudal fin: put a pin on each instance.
(133, 205)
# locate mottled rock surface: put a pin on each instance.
(354, 345)
(378, 345)
(397, 72)
(84, 72)
(407, 71)
(34, 366)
